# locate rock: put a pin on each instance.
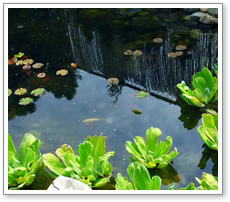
(190, 10)
(204, 10)
(213, 11)
(66, 183)
(208, 19)
(198, 14)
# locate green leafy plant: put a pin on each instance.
(209, 130)
(25, 101)
(205, 89)
(140, 179)
(149, 152)
(19, 55)
(142, 94)
(91, 166)
(23, 167)
(9, 92)
(38, 91)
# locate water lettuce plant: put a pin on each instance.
(91, 166)
(205, 89)
(140, 179)
(209, 130)
(25, 101)
(149, 152)
(24, 166)
(141, 94)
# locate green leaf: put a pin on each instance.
(9, 92)
(25, 101)
(208, 182)
(123, 183)
(38, 91)
(103, 166)
(152, 135)
(140, 143)
(19, 55)
(101, 182)
(12, 153)
(141, 94)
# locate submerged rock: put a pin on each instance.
(65, 183)
(213, 11)
(208, 19)
(204, 10)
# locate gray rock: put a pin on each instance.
(213, 11)
(66, 183)
(191, 10)
(198, 14)
(208, 19)
(204, 10)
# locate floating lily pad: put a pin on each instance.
(26, 67)
(113, 80)
(136, 111)
(158, 40)
(73, 65)
(29, 62)
(19, 55)
(41, 75)
(137, 53)
(128, 52)
(37, 65)
(62, 72)
(181, 47)
(20, 91)
(38, 91)
(25, 101)
(19, 62)
(142, 94)
(179, 53)
(172, 55)
(9, 92)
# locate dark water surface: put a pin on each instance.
(95, 39)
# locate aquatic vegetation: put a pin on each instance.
(19, 62)
(113, 80)
(73, 65)
(91, 120)
(215, 68)
(136, 111)
(158, 40)
(38, 91)
(179, 53)
(26, 67)
(181, 47)
(128, 52)
(209, 130)
(140, 179)
(41, 75)
(90, 167)
(205, 89)
(137, 53)
(25, 101)
(62, 72)
(20, 91)
(172, 55)
(37, 65)
(9, 92)
(25, 165)
(149, 152)
(141, 94)
(29, 62)
(19, 55)
(12, 61)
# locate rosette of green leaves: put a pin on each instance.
(205, 89)
(91, 166)
(209, 130)
(23, 167)
(149, 152)
(140, 179)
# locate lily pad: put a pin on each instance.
(113, 80)
(9, 92)
(172, 55)
(20, 91)
(25, 101)
(29, 62)
(136, 111)
(19, 55)
(62, 72)
(19, 62)
(179, 53)
(142, 94)
(41, 75)
(38, 91)
(181, 47)
(137, 53)
(37, 65)
(158, 40)
(128, 52)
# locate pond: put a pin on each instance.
(95, 39)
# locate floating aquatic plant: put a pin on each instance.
(128, 52)
(149, 152)
(41, 75)
(179, 53)
(139, 177)
(91, 166)
(19, 62)
(136, 111)
(19, 55)
(205, 89)
(29, 62)
(181, 47)
(9, 92)
(209, 130)
(113, 80)
(38, 91)
(26, 67)
(20, 91)
(172, 55)
(25, 101)
(37, 65)
(158, 40)
(62, 72)
(25, 165)
(137, 53)
(142, 94)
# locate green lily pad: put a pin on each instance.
(9, 92)
(38, 91)
(142, 94)
(19, 55)
(25, 101)
(136, 111)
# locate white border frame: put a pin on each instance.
(113, 5)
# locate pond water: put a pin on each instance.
(96, 39)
